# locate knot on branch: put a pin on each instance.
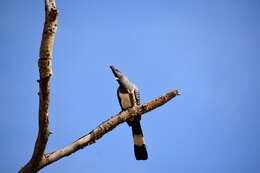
(45, 67)
(50, 30)
(53, 14)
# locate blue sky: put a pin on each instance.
(207, 49)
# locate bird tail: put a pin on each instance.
(139, 145)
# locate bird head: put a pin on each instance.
(118, 75)
(120, 78)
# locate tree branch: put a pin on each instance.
(45, 70)
(107, 126)
(39, 159)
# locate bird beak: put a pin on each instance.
(116, 72)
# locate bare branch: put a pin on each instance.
(107, 126)
(45, 70)
(39, 159)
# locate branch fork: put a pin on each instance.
(39, 159)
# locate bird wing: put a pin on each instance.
(137, 96)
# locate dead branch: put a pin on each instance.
(107, 126)
(39, 159)
(45, 70)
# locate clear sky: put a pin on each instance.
(207, 49)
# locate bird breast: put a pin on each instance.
(125, 100)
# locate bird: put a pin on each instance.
(128, 96)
